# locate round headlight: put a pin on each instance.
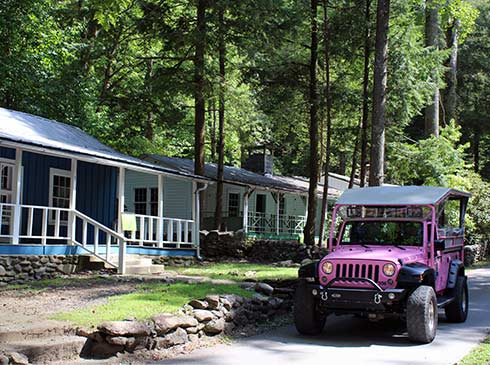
(389, 269)
(327, 267)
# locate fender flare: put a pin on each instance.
(416, 274)
(309, 272)
(456, 269)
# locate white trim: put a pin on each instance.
(58, 172)
(160, 211)
(73, 199)
(17, 193)
(148, 201)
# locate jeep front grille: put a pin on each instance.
(368, 271)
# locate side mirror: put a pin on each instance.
(439, 245)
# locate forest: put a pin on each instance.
(386, 91)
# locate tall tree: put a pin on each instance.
(314, 166)
(376, 173)
(432, 40)
(221, 115)
(199, 104)
(328, 115)
(450, 97)
(365, 93)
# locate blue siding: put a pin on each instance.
(97, 192)
(36, 176)
(7, 153)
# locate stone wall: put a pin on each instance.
(226, 245)
(179, 261)
(20, 269)
(211, 316)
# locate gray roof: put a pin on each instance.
(397, 195)
(239, 176)
(30, 129)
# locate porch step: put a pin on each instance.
(30, 331)
(145, 269)
(48, 349)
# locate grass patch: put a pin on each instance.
(54, 283)
(479, 355)
(237, 271)
(147, 300)
(477, 265)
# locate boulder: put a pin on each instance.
(4, 360)
(264, 288)
(17, 358)
(226, 303)
(121, 341)
(165, 323)
(125, 328)
(192, 330)
(203, 315)
(233, 299)
(213, 301)
(2, 271)
(198, 304)
(215, 327)
(178, 337)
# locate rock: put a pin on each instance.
(104, 349)
(203, 315)
(2, 271)
(178, 337)
(136, 343)
(121, 341)
(226, 303)
(125, 328)
(198, 304)
(264, 288)
(193, 338)
(17, 358)
(213, 301)
(4, 360)
(218, 314)
(250, 274)
(275, 302)
(215, 327)
(192, 330)
(165, 323)
(306, 262)
(233, 299)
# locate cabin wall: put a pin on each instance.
(177, 198)
(7, 153)
(134, 180)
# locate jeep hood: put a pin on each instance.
(377, 253)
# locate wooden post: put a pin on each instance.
(73, 202)
(121, 268)
(160, 211)
(194, 214)
(278, 210)
(17, 195)
(246, 197)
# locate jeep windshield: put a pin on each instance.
(396, 233)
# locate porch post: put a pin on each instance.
(160, 211)
(73, 201)
(121, 269)
(245, 210)
(278, 206)
(195, 217)
(17, 196)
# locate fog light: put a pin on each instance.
(314, 292)
(391, 296)
(324, 279)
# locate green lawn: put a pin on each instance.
(238, 271)
(147, 300)
(479, 355)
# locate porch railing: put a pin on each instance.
(268, 223)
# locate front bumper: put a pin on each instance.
(357, 300)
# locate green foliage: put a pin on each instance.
(479, 355)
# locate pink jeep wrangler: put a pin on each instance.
(398, 252)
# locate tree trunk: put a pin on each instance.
(450, 103)
(149, 134)
(199, 106)
(365, 94)
(432, 40)
(354, 157)
(476, 149)
(376, 173)
(221, 118)
(328, 103)
(309, 231)
(211, 117)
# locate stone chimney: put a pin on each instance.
(260, 163)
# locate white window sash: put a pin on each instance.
(52, 173)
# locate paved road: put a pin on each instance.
(348, 340)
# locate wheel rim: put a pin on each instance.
(463, 301)
(431, 313)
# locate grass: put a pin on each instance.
(484, 263)
(40, 285)
(147, 300)
(479, 355)
(237, 271)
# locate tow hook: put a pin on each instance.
(324, 296)
(377, 298)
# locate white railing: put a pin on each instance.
(268, 223)
(160, 232)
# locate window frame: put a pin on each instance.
(239, 203)
(61, 173)
(149, 202)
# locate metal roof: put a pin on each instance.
(30, 129)
(397, 195)
(240, 176)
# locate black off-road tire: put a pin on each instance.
(457, 311)
(307, 319)
(422, 315)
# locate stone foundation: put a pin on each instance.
(20, 269)
(179, 261)
(226, 245)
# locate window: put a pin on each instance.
(233, 204)
(59, 191)
(146, 201)
(140, 200)
(282, 204)
(383, 233)
(6, 176)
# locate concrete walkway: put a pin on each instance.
(348, 340)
